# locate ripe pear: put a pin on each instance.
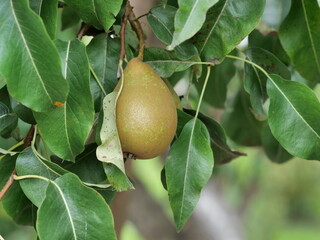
(146, 112)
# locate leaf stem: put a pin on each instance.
(202, 91)
(31, 176)
(135, 24)
(123, 31)
(252, 63)
(97, 80)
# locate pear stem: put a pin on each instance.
(123, 30)
(135, 24)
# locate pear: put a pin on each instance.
(146, 112)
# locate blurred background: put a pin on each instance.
(250, 198)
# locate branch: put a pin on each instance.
(123, 30)
(84, 28)
(135, 24)
(27, 143)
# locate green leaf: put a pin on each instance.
(29, 58)
(273, 149)
(220, 76)
(240, 123)
(255, 80)
(188, 168)
(69, 18)
(24, 113)
(166, 63)
(87, 167)
(110, 152)
(103, 53)
(28, 163)
(227, 23)
(15, 203)
(218, 140)
(99, 13)
(48, 11)
(189, 19)
(66, 128)
(71, 210)
(18, 206)
(294, 114)
(269, 41)
(161, 20)
(303, 48)
(8, 120)
(7, 164)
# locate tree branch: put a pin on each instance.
(84, 28)
(135, 24)
(27, 143)
(123, 31)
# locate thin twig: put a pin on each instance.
(135, 24)
(84, 28)
(27, 143)
(123, 30)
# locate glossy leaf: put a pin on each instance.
(269, 41)
(239, 122)
(218, 140)
(161, 20)
(227, 23)
(99, 13)
(28, 163)
(29, 58)
(273, 149)
(189, 19)
(48, 11)
(24, 113)
(103, 53)
(220, 76)
(66, 128)
(294, 115)
(87, 167)
(255, 80)
(110, 152)
(8, 120)
(69, 17)
(166, 63)
(188, 168)
(18, 206)
(7, 164)
(71, 210)
(303, 48)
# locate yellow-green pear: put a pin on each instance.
(146, 112)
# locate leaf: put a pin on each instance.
(220, 76)
(269, 41)
(65, 129)
(189, 19)
(8, 120)
(239, 122)
(71, 210)
(273, 149)
(188, 168)
(69, 18)
(110, 152)
(7, 164)
(218, 140)
(48, 11)
(29, 58)
(24, 113)
(28, 163)
(18, 206)
(227, 23)
(303, 48)
(99, 13)
(103, 53)
(255, 80)
(161, 21)
(294, 114)
(87, 167)
(165, 63)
